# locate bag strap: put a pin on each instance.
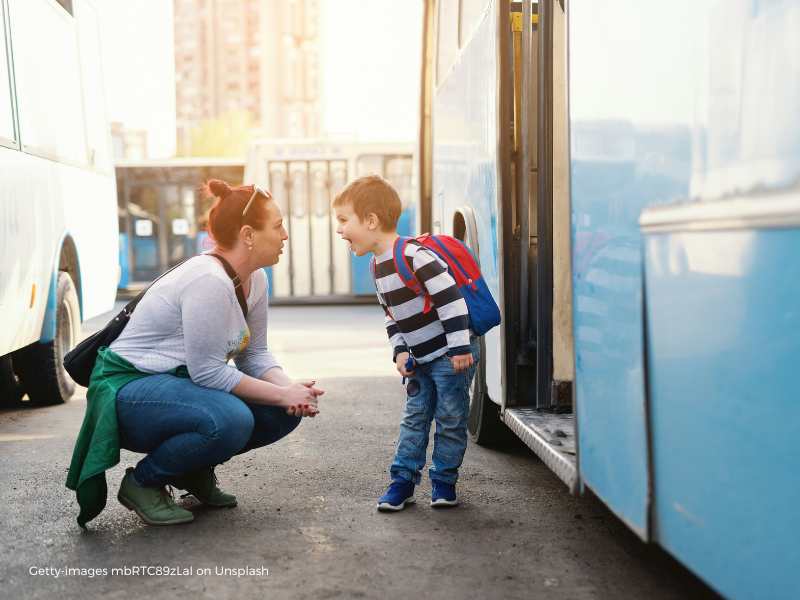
(405, 271)
(237, 283)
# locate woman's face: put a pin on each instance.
(268, 242)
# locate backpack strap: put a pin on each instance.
(237, 283)
(405, 271)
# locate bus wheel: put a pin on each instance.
(484, 423)
(10, 388)
(41, 366)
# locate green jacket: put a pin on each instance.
(97, 447)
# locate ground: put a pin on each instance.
(307, 506)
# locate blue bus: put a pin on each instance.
(628, 174)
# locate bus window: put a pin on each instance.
(468, 19)
(447, 44)
(48, 80)
(7, 133)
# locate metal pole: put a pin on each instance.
(330, 223)
(544, 316)
(310, 216)
(523, 178)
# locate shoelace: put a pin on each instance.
(168, 495)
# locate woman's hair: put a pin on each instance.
(225, 215)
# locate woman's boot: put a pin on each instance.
(155, 506)
(202, 485)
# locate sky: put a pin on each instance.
(370, 53)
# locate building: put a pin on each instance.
(128, 143)
(253, 56)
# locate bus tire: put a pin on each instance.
(40, 367)
(484, 424)
(10, 388)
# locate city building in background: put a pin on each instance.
(128, 143)
(243, 66)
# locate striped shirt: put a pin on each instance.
(444, 329)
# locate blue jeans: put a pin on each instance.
(184, 427)
(437, 392)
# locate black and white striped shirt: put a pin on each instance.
(444, 329)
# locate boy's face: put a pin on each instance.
(360, 235)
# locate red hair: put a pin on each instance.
(225, 215)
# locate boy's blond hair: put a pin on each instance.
(372, 194)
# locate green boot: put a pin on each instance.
(202, 485)
(154, 506)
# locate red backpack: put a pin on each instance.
(484, 314)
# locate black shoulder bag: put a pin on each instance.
(79, 362)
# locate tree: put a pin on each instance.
(227, 135)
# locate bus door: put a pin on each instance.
(538, 295)
(608, 186)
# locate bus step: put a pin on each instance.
(551, 436)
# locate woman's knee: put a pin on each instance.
(233, 424)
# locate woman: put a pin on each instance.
(177, 398)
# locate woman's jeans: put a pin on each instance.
(435, 391)
(184, 427)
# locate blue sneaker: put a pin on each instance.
(443, 494)
(397, 496)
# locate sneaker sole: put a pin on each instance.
(442, 503)
(129, 505)
(386, 507)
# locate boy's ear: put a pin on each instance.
(372, 221)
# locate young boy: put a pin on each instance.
(443, 350)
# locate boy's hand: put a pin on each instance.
(400, 362)
(462, 362)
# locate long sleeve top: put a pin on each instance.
(427, 336)
(191, 317)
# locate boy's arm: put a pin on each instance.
(447, 300)
(396, 338)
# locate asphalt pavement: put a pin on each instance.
(306, 524)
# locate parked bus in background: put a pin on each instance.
(303, 177)
(58, 210)
(628, 175)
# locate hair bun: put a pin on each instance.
(219, 188)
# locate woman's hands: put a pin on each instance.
(300, 398)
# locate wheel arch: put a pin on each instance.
(66, 259)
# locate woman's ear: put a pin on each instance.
(247, 233)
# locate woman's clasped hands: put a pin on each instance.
(301, 398)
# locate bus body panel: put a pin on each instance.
(43, 202)
(722, 289)
(465, 163)
(725, 416)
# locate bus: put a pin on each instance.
(628, 175)
(303, 177)
(58, 211)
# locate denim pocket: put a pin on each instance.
(412, 388)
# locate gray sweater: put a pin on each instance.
(191, 317)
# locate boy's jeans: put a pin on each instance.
(443, 395)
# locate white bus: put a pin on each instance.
(304, 176)
(58, 210)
